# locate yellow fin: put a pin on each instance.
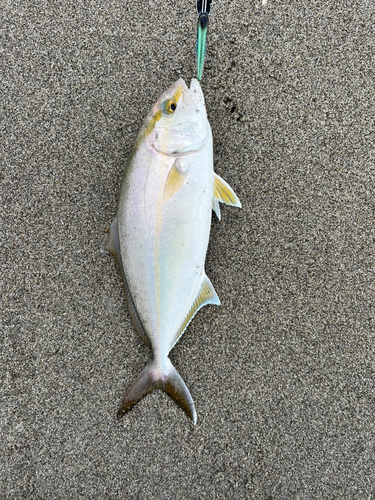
(224, 193)
(206, 295)
(175, 180)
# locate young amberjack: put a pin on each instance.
(160, 233)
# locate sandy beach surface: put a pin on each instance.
(282, 374)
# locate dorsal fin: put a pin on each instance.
(111, 244)
(206, 295)
(224, 193)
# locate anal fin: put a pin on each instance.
(111, 244)
(224, 193)
(216, 207)
(206, 295)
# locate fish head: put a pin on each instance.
(178, 123)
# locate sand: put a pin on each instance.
(282, 374)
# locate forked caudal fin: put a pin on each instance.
(153, 377)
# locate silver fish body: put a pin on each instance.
(161, 230)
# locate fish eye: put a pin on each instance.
(170, 106)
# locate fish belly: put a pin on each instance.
(163, 241)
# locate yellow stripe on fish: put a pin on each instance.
(150, 127)
(178, 93)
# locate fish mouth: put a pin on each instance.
(196, 89)
(185, 95)
(193, 96)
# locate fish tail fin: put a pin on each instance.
(153, 377)
(176, 388)
(143, 385)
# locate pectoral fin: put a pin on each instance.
(224, 193)
(175, 180)
(206, 295)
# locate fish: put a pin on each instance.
(160, 233)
